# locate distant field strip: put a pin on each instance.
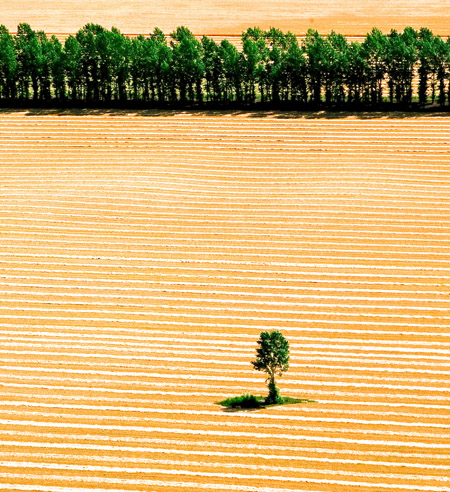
(142, 254)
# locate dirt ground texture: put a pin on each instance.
(228, 16)
(142, 254)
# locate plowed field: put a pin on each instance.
(141, 256)
(229, 16)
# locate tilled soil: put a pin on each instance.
(228, 16)
(142, 254)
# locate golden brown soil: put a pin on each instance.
(228, 16)
(140, 257)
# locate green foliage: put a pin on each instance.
(244, 401)
(400, 57)
(248, 401)
(272, 357)
(73, 67)
(187, 64)
(27, 56)
(98, 65)
(294, 71)
(214, 69)
(433, 57)
(8, 64)
(314, 46)
(233, 66)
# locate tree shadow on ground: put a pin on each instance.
(249, 113)
(286, 401)
(234, 410)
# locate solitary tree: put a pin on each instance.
(272, 356)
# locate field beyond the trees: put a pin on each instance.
(229, 16)
(142, 254)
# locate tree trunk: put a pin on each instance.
(274, 393)
(35, 88)
(441, 91)
(198, 86)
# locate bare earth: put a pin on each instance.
(228, 16)
(140, 257)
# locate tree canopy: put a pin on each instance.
(272, 69)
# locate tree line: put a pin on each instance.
(273, 68)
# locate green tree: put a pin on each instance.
(8, 65)
(57, 67)
(272, 357)
(357, 74)
(112, 52)
(276, 46)
(73, 68)
(373, 49)
(254, 60)
(409, 37)
(137, 64)
(119, 48)
(314, 45)
(214, 72)
(433, 56)
(233, 67)
(335, 67)
(442, 61)
(151, 65)
(45, 61)
(400, 58)
(26, 47)
(294, 71)
(104, 54)
(90, 60)
(159, 68)
(444, 72)
(187, 64)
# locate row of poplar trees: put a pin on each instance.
(273, 67)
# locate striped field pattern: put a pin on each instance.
(142, 254)
(228, 16)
